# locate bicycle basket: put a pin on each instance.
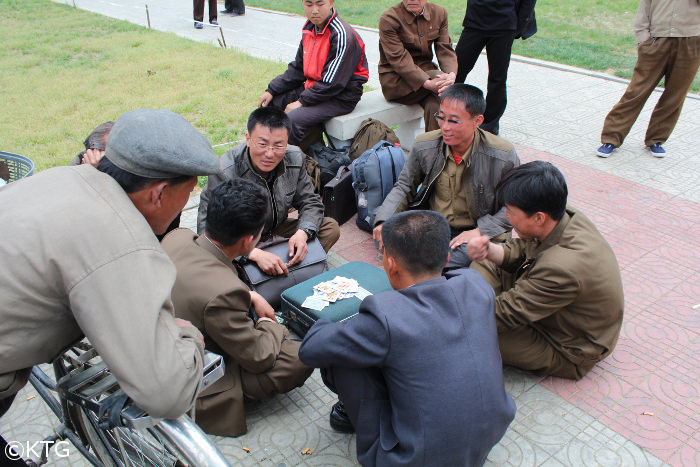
(19, 166)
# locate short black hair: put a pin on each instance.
(418, 240)
(236, 208)
(98, 138)
(131, 183)
(537, 186)
(472, 97)
(269, 117)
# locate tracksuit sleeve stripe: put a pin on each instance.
(338, 28)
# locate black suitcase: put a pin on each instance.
(339, 196)
(300, 319)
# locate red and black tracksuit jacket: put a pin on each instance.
(330, 63)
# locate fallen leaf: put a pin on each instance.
(651, 414)
(306, 451)
(30, 398)
(245, 449)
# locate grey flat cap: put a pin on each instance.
(157, 143)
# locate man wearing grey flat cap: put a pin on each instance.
(79, 257)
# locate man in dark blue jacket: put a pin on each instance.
(418, 369)
(493, 24)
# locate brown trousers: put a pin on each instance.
(199, 10)
(674, 58)
(526, 347)
(328, 234)
(287, 374)
(426, 99)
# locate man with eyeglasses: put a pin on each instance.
(279, 169)
(559, 300)
(454, 171)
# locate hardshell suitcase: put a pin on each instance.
(374, 174)
(300, 319)
(339, 197)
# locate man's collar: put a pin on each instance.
(206, 244)
(413, 17)
(555, 235)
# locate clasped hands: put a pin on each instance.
(272, 265)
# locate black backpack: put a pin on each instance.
(329, 160)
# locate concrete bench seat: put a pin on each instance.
(409, 119)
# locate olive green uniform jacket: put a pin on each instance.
(260, 361)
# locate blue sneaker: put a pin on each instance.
(214, 22)
(198, 25)
(657, 150)
(605, 150)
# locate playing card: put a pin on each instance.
(314, 303)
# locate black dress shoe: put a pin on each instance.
(339, 419)
(228, 12)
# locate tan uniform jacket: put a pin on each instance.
(406, 46)
(77, 257)
(570, 290)
(209, 293)
(667, 18)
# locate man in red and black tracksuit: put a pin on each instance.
(326, 77)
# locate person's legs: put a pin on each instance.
(524, 347)
(7, 456)
(650, 67)
(198, 10)
(213, 10)
(426, 99)
(235, 6)
(470, 45)
(498, 53)
(328, 234)
(287, 373)
(683, 64)
(357, 387)
(304, 118)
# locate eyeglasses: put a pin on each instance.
(441, 119)
(264, 147)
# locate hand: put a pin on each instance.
(291, 106)
(92, 156)
(464, 237)
(183, 323)
(262, 308)
(478, 248)
(297, 247)
(431, 84)
(377, 235)
(446, 80)
(271, 264)
(265, 99)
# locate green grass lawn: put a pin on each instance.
(64, 70)
(592, 34)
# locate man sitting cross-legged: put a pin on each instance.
(260, 360)
(279, 170)
(418, 369)
(559, 294)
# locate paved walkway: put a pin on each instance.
(639, 406)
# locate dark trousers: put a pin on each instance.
(7, 458)
(674, 58)
(498, 47)
(304, 118)
(199, 10)
(235, 6)
(361, 388)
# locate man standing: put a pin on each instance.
(493, 24)
(454, 171)
(260, 360)
(668, 46)
(417, 369)
(408, 33)
(79, 258)
(266, 160)
(326, 77)
(558, 290)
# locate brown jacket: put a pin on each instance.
(570, 292)
(209, 293)
(405, 48)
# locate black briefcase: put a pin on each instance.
(339, 196)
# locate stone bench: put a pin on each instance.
(409, 119)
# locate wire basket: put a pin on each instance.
(19, 166)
